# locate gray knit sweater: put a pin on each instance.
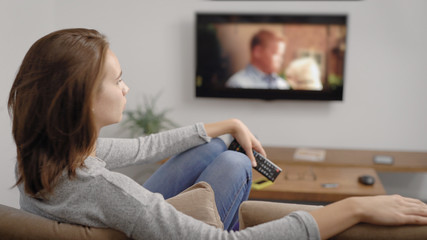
(99, 197)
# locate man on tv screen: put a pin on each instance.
(266, 58)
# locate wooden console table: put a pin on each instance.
(340, 166)
(403, 161)
(305, 183)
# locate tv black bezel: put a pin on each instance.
(270, 94)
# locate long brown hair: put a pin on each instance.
(50, 106)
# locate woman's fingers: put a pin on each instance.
(248, 141)
(258, 147)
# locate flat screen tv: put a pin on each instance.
(270, 56)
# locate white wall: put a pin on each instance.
(21, 23)
(383, 107)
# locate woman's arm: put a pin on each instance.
(240, 132)
(120, 152)
(380, 210)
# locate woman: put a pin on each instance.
(69, 86)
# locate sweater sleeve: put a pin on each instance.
(155, 147)
(140, 214)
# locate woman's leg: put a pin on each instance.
(182, 170)
(230, 176)
(228, 172)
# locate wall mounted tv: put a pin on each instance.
(270, 56)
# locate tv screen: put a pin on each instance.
(270, 56)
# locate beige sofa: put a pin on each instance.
(17, 224)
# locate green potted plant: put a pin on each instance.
(147, 119)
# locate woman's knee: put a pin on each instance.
(204, 154)
(236, 161)
(216, 146)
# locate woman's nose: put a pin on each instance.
(125, 89)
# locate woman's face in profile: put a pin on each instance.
(110, 100)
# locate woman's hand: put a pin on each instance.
(240, 132)
(392, 210)
(380, 210)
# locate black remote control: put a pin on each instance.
(264, 165)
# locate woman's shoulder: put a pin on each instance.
(92, 166)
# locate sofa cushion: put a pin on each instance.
(197, 201)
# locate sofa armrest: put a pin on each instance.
(197, 201)
(252, 213)
(17, 224)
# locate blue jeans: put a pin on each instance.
(228, 172)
